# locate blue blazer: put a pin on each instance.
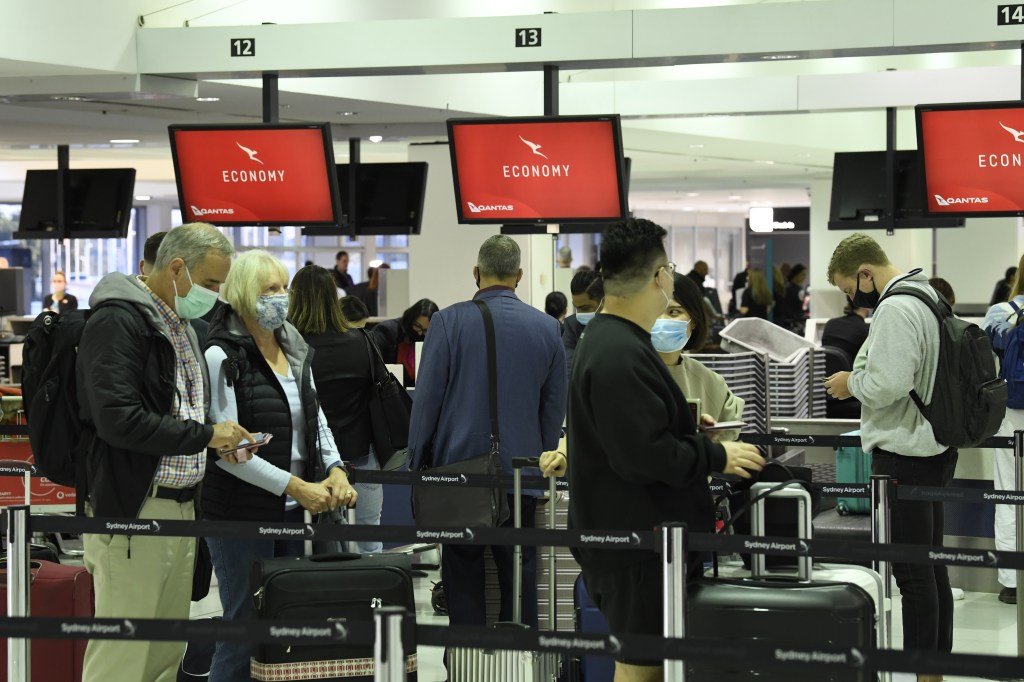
(451, 413)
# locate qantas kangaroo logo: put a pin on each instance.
(533, 146)
(251, 152)
(1018, 136)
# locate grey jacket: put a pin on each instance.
(902, 353)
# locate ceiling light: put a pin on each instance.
(67, 98)
(779, 57)
(696, 146)
(124, 141)
(207, 99)
(734, 197)
(766, 162)
(693, 194)
(688, 208)
(721, 210)
(142, 197)
(376, 138)
(346, 113)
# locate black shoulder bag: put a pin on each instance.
(460, 505)
(390, 406)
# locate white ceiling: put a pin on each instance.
(697, 163)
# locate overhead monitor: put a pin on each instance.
(389, 197)
(859, 192)
(558, 169)
(262, 174)
(97, 202)
(973, 158)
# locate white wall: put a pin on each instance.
(442, 257)
(974, 258)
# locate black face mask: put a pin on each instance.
(866, 299)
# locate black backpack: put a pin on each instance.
(968, 399)
(49, 388)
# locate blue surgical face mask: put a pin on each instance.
(196, 303)
(670, 336)
(272, 311)
(584, 318)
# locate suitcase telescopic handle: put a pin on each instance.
(523, 462)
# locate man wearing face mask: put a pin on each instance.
(900, 356)
(451, 414)
(261, 375)
(144, 393)
(146, 266)
(637, 459)
(587, 293)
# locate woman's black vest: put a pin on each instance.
(262, 407)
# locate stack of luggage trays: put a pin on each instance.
(824, 609)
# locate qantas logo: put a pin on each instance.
(1018, 136)
(533, 146)
(251, 152)
(477, 208)
(951, 201)
(196, 211)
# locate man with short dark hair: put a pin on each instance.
(637, 458)
(587, 293)
(451, 414)
(342, 279)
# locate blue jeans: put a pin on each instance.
(371, 501)
(232, 561)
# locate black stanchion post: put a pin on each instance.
(673, 556)
(19, 580)
(883, 495)
(388, 652)
(1018, 485)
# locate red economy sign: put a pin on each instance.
(253, 175)
(538, 170)
(973, 159)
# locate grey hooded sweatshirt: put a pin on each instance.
(902, 352)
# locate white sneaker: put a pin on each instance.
(958, 594)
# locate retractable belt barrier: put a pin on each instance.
(603, 539)
(754, 654)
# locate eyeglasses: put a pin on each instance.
(670, 268)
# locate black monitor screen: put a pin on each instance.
(858, 192)
(98, 203)
(389, 197)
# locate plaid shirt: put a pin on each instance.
(189, 399)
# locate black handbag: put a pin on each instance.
(436, 505)
(390, 405)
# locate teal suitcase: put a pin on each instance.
(853, 465)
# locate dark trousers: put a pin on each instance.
(462, 569)
(927, 599)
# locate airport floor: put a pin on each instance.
(983, 625)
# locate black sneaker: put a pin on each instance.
(1008, 595)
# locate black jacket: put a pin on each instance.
(263, 407)
(387, 335)
(636, 457)
(125, 373)
(341, 368)
(342, 280)
(572, 330)
(847, 333)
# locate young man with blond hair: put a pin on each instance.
(902, 353)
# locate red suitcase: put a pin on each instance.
(57, 590)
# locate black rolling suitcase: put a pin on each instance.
(336, 588)
(781, 611)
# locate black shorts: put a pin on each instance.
(630, 599)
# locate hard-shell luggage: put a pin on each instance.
(590, 620)
(781, 610)
(337, 589)
(853, 465)
(57, 591)
(480, 665)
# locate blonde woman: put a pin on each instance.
(757, 297)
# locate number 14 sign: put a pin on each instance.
(1008, 15)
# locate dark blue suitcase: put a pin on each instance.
(589, 619)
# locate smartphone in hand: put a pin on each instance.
(241, 451)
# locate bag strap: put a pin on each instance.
(939, 308)
(1017, 310)
(371, 350)
(492, 371)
